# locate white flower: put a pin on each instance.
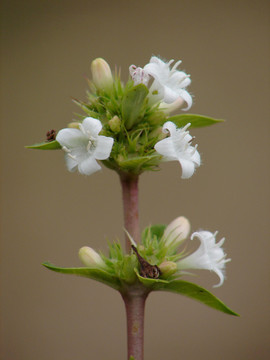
(169, 84)
(83, 146)
(177, 147)
(209, 255)
(90, 257)
(177, 231)
(139, 75)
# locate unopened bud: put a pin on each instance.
(168, 268)
(114, 124)
(74, 125)
(177, 231)
(90, 257)
(169, 108)
(101, 73)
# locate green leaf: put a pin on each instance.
(194, 120)
(195, 292)
(46, 145)
(133, 103)
(92, 273)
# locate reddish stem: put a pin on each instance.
(135, 304)
(130, 206)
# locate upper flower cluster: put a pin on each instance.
(127, 126)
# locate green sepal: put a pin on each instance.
(155, 230)
(46, 145)
(137, 163)
(92, 273)
(127, 272)
(194, 120)
(133, 103)
(195, 292)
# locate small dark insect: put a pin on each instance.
(51, 134)
(147, 270)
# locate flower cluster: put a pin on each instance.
(160, 246)
(127, 127)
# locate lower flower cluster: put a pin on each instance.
(156, 263)
(159, 247)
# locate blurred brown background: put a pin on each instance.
(48, 213)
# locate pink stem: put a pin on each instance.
(135, 304)
(130, 204)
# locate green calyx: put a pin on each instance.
(134, 125)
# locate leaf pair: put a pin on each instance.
(176, 286)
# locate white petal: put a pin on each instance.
(187, 97)
(170, 95)
(88, 166)
(71, 163)
(71, 138)
(165, 147)
(221, 276)
(91, 126)
(169, 126)
(188, 168)
(196, 158)
(104, 147)
(186, 82)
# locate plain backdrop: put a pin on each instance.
(48, 213)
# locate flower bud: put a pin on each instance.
(114, 124)
(74, 125)
(101, 73)
(168, 268)
(90, 257)
(177, 231)
(169, 108)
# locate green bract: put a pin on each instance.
(123, 270)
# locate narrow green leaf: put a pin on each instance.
(195, 292)
(194, 120)
(132, 104)
(92, 273)
(46, 145)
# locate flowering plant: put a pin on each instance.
(129, 129)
